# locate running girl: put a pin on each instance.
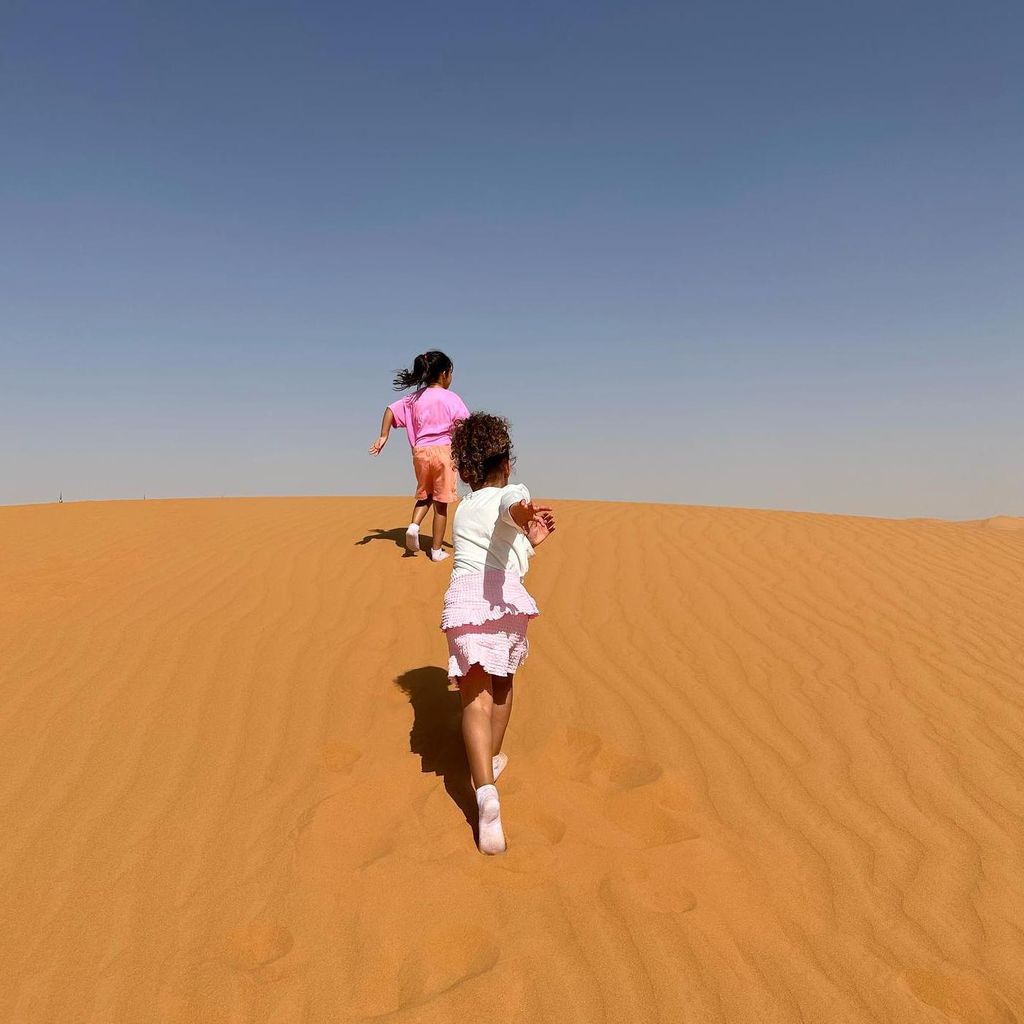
(428, 416)
(486, 607)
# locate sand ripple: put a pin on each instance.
(765, 767)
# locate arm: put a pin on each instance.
(537, 522)
(385, 429)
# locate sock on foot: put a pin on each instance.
(412, 537)
(498, 763)
(491, 838)
(438, 554)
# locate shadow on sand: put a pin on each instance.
(397, 537)
(437, 734)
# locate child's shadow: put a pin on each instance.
(397, 536)
(437, 734)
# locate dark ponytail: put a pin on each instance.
(427, 369)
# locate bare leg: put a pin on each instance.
(477, 710)
(440, 524)
(412, 535)
(421, 508)
(501, 691)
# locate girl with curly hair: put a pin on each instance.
(486, 607)
(427, 415)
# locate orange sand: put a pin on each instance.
(765, 767)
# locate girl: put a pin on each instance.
(486, 607)
(427, 415)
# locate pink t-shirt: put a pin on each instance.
(428, 416)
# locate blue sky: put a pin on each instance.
(714, 253)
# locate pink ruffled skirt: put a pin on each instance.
(485, 618)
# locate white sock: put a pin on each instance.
(498, 763)
(412, 537)
(491, 837)
(438, 554)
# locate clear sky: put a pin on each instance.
(715, 253)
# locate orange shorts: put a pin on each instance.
(435, 472)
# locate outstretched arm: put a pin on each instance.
(385, 429)
(536, 521)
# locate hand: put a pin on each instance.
(523, 511)
(378, 444)
(540, 528)
(531, 517)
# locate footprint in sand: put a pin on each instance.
(445, 956)
(256, 944)
(649, 822)
(583, 757)
(537, 826)
(340, 757)
(632, 772)
(636, 795)
(431, 958)
(581, 751)
(647, 889)
(960, 996)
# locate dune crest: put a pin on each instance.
(1005, 523)
(764, 766)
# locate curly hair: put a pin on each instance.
(480, 443)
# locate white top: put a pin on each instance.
(485, 534)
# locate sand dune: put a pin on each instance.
(764, 767)
(1005, 523)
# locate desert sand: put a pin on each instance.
(765, 767)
